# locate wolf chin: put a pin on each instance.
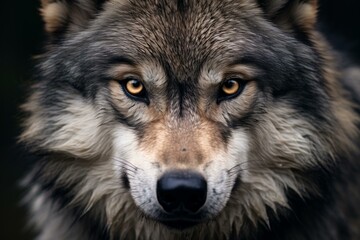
(182, 119)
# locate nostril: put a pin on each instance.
(181, 191)
(168, 197)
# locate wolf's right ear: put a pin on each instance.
(291, 15)
(68, 15)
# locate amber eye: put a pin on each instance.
(135, 90)
(230, 88)
(134, 87)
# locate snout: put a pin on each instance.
(181, 194)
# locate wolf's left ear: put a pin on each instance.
(68, 15)
(291, 15)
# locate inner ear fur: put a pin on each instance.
(291, 15)
(68, 15)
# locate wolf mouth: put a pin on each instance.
(180, 223)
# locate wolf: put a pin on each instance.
(184, 119)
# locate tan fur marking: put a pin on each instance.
(305, 15)
(190, 146)
(73, 14)
(247, 72)
(301, 14)
(121, 70)
(55, 16)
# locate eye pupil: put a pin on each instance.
(230, 83)
(135, 83)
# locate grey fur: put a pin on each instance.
(280, 159)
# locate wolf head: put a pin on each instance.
(183, 117)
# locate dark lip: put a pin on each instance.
(181, 221)
(180, 224)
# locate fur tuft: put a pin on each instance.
(244, 97)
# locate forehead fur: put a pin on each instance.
(182, 33)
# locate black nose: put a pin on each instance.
(181, 191)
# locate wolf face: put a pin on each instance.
(181, 118)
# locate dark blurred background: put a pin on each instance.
(22, 37)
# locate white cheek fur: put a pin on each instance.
(223, 171)
(130, 159)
